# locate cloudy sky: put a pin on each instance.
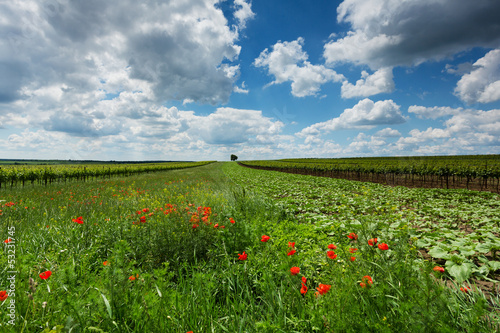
(203, 79)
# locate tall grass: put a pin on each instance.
(139, 264)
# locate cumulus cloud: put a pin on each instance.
(288, 62)
(388, 33)
(170, 50)
(243, 13)
(434, 112)
(366, 114)
(379, 82)
(482, 84)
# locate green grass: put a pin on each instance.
(191, 279)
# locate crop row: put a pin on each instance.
(16, 175)
(445, 173)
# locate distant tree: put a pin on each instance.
(234, 157)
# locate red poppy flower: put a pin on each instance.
(195, 226)
(465, 289)
(264, 238)
(372, 241)
(439, 269)
(78, 220)
(8, 240)
(353, 250)
(291, 253)
(304, 279)
(291, 244)
(295, 270)
(145, 210)
(332, 247)
(352, 236)
(331, 254)
(323, 288)
(106, 263)
(216, 225)
(303, 290)
(353, 258)
(189, 332)
(362, 284)
(242, 256)
(143, 219)
(3, 295)
(231, 220)
(45, 275)
(131, 278)
(383, 246)
(367, 279)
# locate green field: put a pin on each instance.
(159, 252)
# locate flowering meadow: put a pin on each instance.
(222, 248)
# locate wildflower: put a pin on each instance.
(295, 270)
(195, 226)
(145, 210)
(352, 250)
(45, 275)
(383, 246)
(353, 236)
(465, 289)
(8, 240)
(304, 279)
(303, 290)
(366, 280)
(78, 220)
(216, 225)
(231, 220)
(323, 289)
(131, 278)
(439, 269)
(242, 256)
(291, 253)
(143, 219)
(372, 241)
(291, 244)
(3, 295)
(331, 254)
(106, 263)
(264, 238)
(332, 247)
(353, 258)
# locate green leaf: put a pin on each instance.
(467, 251)
(495, 265)
(459, 272)
(483, 247)
(438, 252)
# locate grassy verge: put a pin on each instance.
(160, 253)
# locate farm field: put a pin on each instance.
(223, 248)
(474, 172)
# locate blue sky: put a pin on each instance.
(203, 79)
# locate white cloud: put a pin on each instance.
(168, 50)
(379, 82)
(433, 112)
(243, 13)
(482, 84)
(288, 62)
(388, 133)
(389, 33)
(365, 114)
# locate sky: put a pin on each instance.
(203, 79)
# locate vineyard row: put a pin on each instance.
(14, 176)
(474, 178)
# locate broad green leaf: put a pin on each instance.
(438, 252)
(467, 251)
(495, 265)
(459, 272)
(483, 247)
